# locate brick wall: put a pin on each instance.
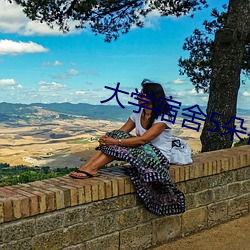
(105, 212)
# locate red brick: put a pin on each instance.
(95, 191)
(107, 188)
(187, 172)
(6, 192)
(219, 166)
(127, 185)
(243, 160)
(197, 170)
(7, 209)
(95, 183)
(201, 170)
(87, 193)
(101, 191)
(25, 206)
(17, 210)
(33, 200)
(248, 159)
(39, 184)
(50, 200)
(114, 184)
(177, 174)
(210, 168)
(1, 211)
(192, 171)
(214, 167)
(73, 195)
(59, 198)
(78, 184)
(121, 185)
(172, 173)
(41, 201)
(49, 196)
(66, 194)
(132, 188)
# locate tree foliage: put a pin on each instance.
(108, 17)
(228, 54)
(214, 66)
(242, 143)
(24, 174)
(198, 66)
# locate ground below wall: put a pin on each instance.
(105, 212)
(232, 235)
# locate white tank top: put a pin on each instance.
(162, 141)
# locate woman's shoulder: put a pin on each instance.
(164, 119)
(135, 115)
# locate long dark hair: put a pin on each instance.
(155, 91)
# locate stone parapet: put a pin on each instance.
(105, 212)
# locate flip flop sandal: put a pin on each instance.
(87, 175)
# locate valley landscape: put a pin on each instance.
(65, 135)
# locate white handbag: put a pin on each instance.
(180, 152)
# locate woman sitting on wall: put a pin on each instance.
(148, 153)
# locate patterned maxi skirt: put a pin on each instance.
(149, 173)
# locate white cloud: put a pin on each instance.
(187, 97)
(10, 84)
(193, 92)
(178, 81)
(152, 19)
(7, 82)
(60, 76)
(73, 72)
(246, 93)
(80, 92)
(15, 48)
(19, 86)
(180, 93)
(90, 72)
(13, 20)
(55, 63)
(51, 86)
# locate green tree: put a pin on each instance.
(199, 68)
(112, 18)
(227, 58)
(108, 17)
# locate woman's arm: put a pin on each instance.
(128, 126)
(151, 134)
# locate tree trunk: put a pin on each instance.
(227, 56)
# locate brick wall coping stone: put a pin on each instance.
(39, 197)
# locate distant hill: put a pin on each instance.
(40, 112)
(94, 112)
(28, 113)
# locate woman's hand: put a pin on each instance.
(107, 141)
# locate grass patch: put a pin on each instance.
(23, 174)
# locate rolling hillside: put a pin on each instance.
(39, 112)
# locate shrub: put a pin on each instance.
(242, 143)
(23, 174)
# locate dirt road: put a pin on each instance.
(233, 235)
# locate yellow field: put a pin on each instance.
(32, 144)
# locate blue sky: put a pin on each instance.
(38, 64)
